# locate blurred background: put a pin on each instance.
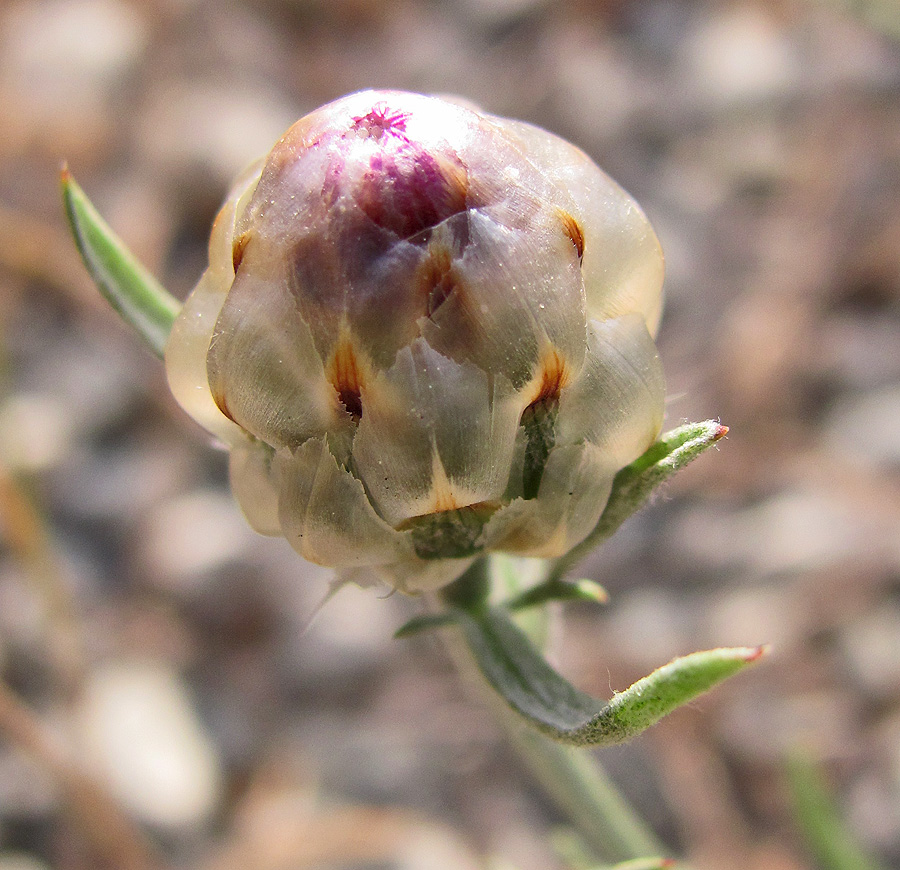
(160, 643)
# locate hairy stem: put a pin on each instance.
(574, 779)
(578, 784)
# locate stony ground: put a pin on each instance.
(160, 643)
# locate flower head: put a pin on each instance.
(425, 333)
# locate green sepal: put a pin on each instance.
(452, 534)
(558, 590)
(133, 292)
(827, 835)
(634, 483)
(548, 702)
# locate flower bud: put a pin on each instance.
(425, 333)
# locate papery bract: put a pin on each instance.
(425, 333)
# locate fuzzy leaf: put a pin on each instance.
(132, 291)
(551, 704)
(634, 483)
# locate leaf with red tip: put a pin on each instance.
(634, 483)
(548, 702)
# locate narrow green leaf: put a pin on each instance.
(132, 291)
(634, 483)
(425, 622)
(547, 701)
(827, 836)
(559, 590)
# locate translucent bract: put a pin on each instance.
(425, 333)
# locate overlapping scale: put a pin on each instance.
(575, 485)
(326, 516)
(623, 262)
(264, 370)
(253, 472)
(435, 435)
(617, 402)
(193, 329)
(417, 575)
(507, 296)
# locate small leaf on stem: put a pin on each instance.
(424, 622)
(548, 702)
(559, 590)
(132, 291)
(634, 483)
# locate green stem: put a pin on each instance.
(471, 590)
(826, 833)
(573, 778)
(581, 788)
